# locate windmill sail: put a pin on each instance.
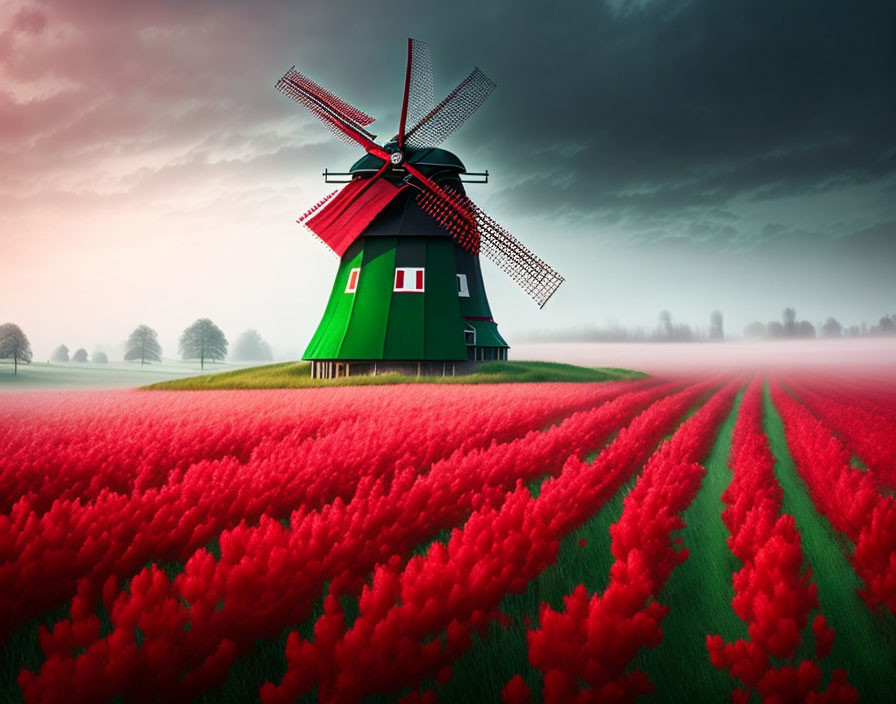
(510, 255)
(444, 119)
(419, 95)
(471, 224)
(342, 119)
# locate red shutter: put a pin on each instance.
(399, 278)
(419, 285)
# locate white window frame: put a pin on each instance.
(463, 290)
(409, 275)
(348, 284)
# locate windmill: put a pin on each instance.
(409, 294)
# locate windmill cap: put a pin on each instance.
(426, 157)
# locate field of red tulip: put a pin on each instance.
(715, 539)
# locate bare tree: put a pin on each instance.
(60, 354)
(143, 345)
(14, 345)
(203, 340)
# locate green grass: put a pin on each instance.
(699, 592)
(865, 643)
(297, 375)
(23, 650)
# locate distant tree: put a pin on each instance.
(887, 325)
(99, 358)
(665, 329)
(60, 354)
(80, 355)
(682, 333)
(716, 329)
(143, 345)
(805, 329)
(832, 328)
(853, 331)
(755, 330)
(14, 345)
(203, 340)
(789, 318)
(774, 330)
(251, 347)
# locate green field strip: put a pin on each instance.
(865, 643)
(23, 650)
(699, 592)
(264, 662)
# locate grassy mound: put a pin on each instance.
(297, 375)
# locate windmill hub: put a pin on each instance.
(396, 157)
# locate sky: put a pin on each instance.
(737, 155)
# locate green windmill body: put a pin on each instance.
(378, 319)
(409, 294)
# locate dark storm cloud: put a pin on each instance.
(696, 106)
(644, 113)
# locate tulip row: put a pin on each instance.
(774, 593)
(281, 570)
(593, 641)
(877, 396)
(847, 497)
(56, 448)
(870, 435)
(43, 555)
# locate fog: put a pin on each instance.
(864, 358)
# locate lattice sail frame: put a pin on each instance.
(481, 234)
(419, 92)
(337, 115)
(445, 118)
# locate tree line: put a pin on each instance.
(669, 329)
(790, 327)
(203, 340)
